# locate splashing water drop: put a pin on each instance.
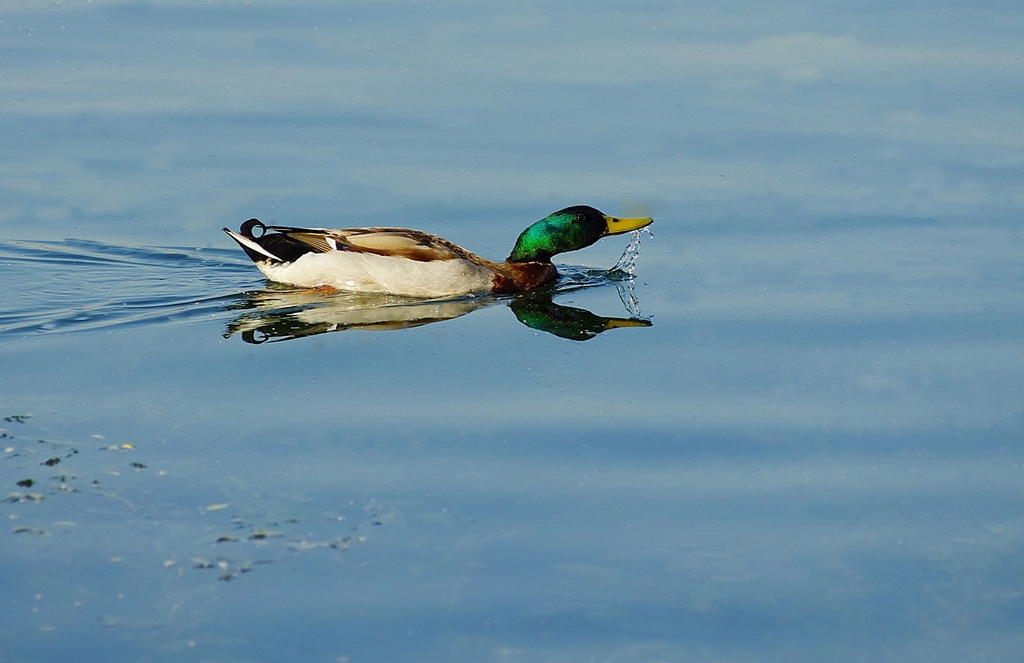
(624, 269)
(627, 263)
(627, 293)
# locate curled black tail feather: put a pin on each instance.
(246, 229)
(280, 245)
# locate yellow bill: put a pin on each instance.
(618, 226)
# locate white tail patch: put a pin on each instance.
(246, 242)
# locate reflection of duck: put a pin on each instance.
(409, 262)
(282, 315)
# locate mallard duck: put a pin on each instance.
(416, 264)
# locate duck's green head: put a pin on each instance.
(568, 230)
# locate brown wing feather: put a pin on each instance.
(402, 242)
(313, 239)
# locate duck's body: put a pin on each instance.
(413, 263)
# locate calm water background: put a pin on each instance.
(814, 453)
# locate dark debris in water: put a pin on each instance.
(21, 498)
(21, 453)
(229, 569)
(277, 537)
(30, 530)
(84, 472)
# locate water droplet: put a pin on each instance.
(627, 263)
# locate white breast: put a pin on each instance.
(369, 272)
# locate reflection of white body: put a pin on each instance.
(282, 314)
(369, 272)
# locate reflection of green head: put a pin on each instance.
(536, 310)
(568, 230)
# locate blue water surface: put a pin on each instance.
(794, 433)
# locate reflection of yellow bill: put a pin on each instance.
(620, 323)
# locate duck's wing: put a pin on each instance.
(399, 242)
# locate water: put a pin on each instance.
(135, 287)
(786, 427)
(626, 266)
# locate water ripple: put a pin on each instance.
(73, 286)
(78, 285)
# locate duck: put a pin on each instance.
(412, 263)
